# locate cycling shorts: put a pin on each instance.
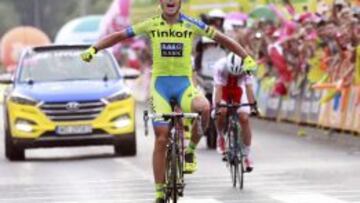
(235, 95)
(165, 88)
(232, 94)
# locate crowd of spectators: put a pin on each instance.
(304, 48)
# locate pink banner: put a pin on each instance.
(116, 19)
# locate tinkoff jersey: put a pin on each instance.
(172, 43)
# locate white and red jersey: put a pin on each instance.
(224, 78)
(232, 86)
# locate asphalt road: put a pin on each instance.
(288, 169)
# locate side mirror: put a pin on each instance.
(130, 73)
(6, 78)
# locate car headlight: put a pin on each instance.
(118, 96)
(122, 121)
(22, 99)
(24, 125)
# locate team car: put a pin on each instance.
(55, 99)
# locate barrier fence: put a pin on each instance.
(304, 106)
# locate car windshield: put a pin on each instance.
(66, 65)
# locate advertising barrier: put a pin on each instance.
(341, 113)
(330, 113)
(349, 120)
(353, 116)
(357, 66)
(268, 104)
(290, 108)
(328, 105)
(310, 106)
(301, 106)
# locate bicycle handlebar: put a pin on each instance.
(234, 105)
(172, 115)
(167, 116)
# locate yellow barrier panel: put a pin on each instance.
(350, 121)
(324, 114)
(346, 115)
(356, 110)
(357, 66)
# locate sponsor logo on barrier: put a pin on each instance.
(273, 103)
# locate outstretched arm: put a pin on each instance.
(231, 44)
(249, 63)
(114, 38)
(111, 40)
(106, 42)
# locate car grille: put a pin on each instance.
(97, 132)
(72, 111)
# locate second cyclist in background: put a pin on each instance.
(231, 80)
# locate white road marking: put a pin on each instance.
(305, 198)
(135, 169)
(192, 200)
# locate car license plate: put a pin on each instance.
(74, 129)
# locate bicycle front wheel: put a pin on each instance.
(235, 159)
(174, 174)
(239, 173)
(231, 157)
(233, 173)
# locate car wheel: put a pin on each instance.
(211, 135)
(125, 145)
(12, 152)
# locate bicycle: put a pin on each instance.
(234, 156)
(175, 156)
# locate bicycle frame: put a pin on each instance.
(234, 153)
(175, 152)
(235, 141)
(232, 122)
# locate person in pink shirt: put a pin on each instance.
(230, 83)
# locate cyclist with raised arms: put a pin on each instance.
(231, 81)
(171, 35)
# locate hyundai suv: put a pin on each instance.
(56, 99)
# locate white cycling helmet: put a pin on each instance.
(217, 13)
(234, 64)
